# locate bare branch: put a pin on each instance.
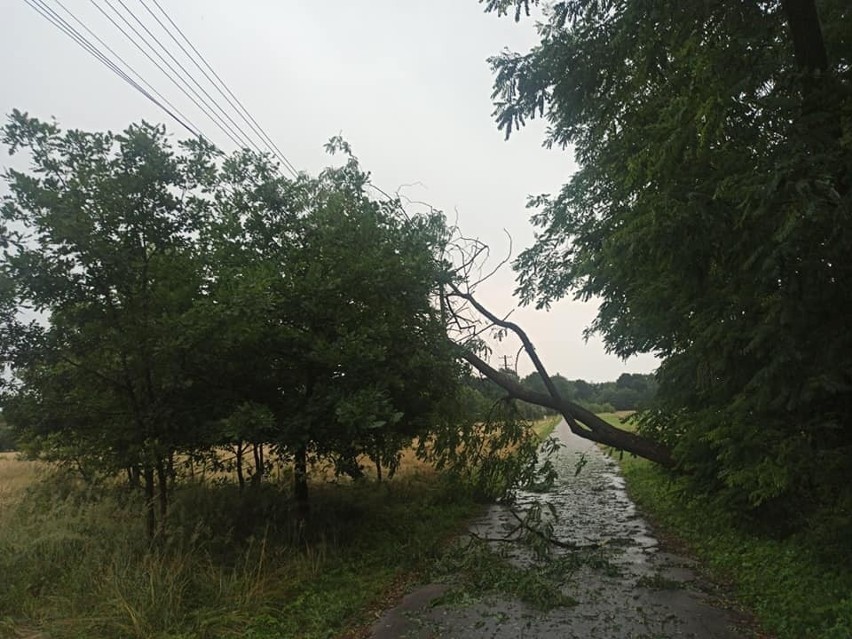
(500, 264)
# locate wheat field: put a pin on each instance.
(15, 476)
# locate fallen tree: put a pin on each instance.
(462, 310)
(582, 422)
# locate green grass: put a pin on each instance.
(544, 427)
(75, 563)
(786, 583)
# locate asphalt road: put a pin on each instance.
(633, 589)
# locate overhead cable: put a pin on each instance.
(220, 84)
(191, 93)
(40, 7)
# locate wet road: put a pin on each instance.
(631, 590)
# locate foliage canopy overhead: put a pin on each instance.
(711, 214)
(188, 300)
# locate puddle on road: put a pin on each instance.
(632, 590)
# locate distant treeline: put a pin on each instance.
(631, 391)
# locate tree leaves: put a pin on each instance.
(192, 300)
(709, 214)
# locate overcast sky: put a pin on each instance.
(405, 81)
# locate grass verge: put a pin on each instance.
(544, 427)
(76, 563)
(786, 583)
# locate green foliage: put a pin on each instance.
(490, 457)
(75, 564)
(102, 246)
(474, 569)
(632, 391)
(7, 437)
(795, 590)
(328, 293)
(712, 216)
(191, 301)
(484, 395)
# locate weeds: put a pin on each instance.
(78, 565)
(786, 582)
(76, 562)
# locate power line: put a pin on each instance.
(222, 125)
(120, 59)
(227, 93)
(246, 139)
(65, 27)
(235, 133)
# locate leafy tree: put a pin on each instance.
(330, 321)
(7, 437)
(102, 247)
(711, 215)
(630, 392)
(191, 301)
(644, 385)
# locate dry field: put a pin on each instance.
(15, 476)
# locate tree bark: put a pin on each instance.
(134, 476)
(300, 478)
(239, 463)
(806, 31)
(257, 476)
(163, 481)
(378, 447)
(150, 509)
(582, 422)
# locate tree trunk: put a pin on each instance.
(582, 422)
(257, 476)
(806, 31)
(150, 509)
(134, 479)
(163, 481)
(300, 478)
(823, 92)
(172, 473)
(378, 447)
(238, 455)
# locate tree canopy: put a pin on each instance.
(181, 300)
(711, 216)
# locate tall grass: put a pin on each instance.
(75, 560)
(76, 563)
(15, 476)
